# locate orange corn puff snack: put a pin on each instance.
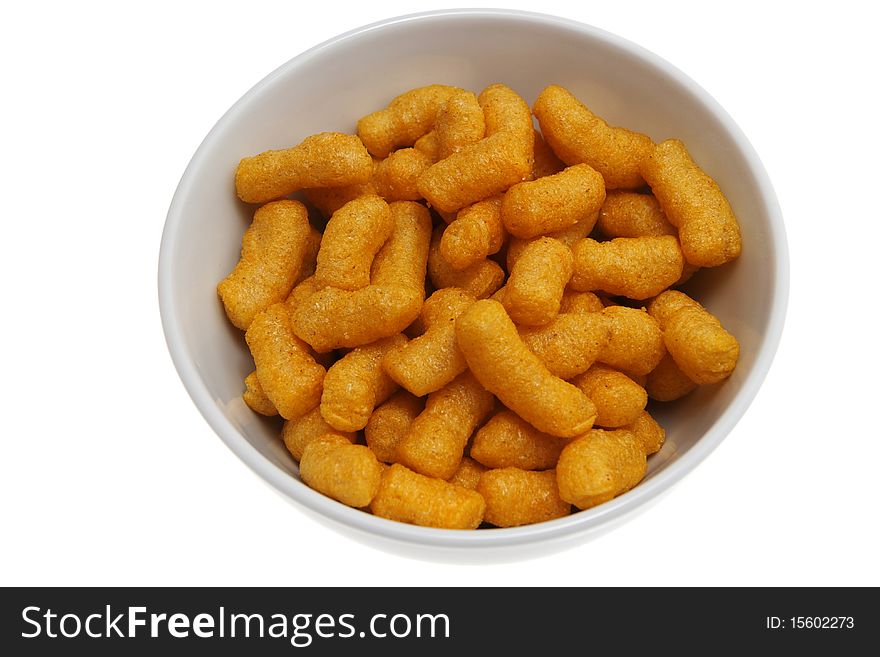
(577, 135)
(504, 365)
(328, 159)
(356, 384)
(272, 253)
(517, 497)
(288, 374)
(407, 496)
(692, 201)
(348, 473)
(599, 466)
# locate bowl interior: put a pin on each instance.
(331, 86)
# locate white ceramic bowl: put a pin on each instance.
(333, 84)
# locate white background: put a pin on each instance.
(109, 475)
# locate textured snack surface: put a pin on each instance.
(407, 496)
(517, 497)
(298, 433)
(352, 238)
(708, 229)
(704, 350)
(507, 440)
(577, 135)
(570, 343)
(634, 267)
(618, 399)
(348, 473)
(599, 466)
(288, 374)
(433, 359)
(407, 117)
(390, 422)
(255, 398)
(328, 159)
(273, 251)
(475, 172)
(630, 214)
(553, 203)
(436, 439)
(477, 232)
(537, 281)
(505, 366)
(357, 383)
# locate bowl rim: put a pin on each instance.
(577, 523)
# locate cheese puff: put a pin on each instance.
(301, 431)
(476, 172)
(635, 345)
(599, 466)
(436, 439)
(580, 302)
(310, 257)
(329, 199)
(389, 423)
(272, 252)
(429, 145)
(692, 201)
(633, 267)
(569, 344)
(546, 163)
(665, 305)
(504, 365)
(468, 473)
(352, 238)
(396, 175)
(577, 135)
(507, 440)
(619, 400)
(534, 289)
(459, 123)
(347, 473)
(409, 116)
(696, 340)
(648, 431)
(332, 318)
(288, 374)
(356, 384)
(406, 496)
(481, 279)
(328, 159)
(476, 233)
(403, 259)
(303, 290)
(506, 111)
(517, 497)
(667, 382)
(552, 203)
(255, 398)
(629, 214)
(430, 361)
(568, 236)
